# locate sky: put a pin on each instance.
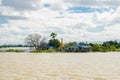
(72, 20)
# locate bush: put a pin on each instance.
(97, 48)
(50, 50)
(12, 50)
(1, 51)
(112, 48)
(37, 51)
(118, 50)
(45, 51)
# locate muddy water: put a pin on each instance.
(59, 66)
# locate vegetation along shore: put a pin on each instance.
(38, 44)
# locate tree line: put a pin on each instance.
(41, 43)
(105, 46)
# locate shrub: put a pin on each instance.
(44, 51)
(12, 50)
(50, 50)
(112, 48)
(36, 51)
(97, 48)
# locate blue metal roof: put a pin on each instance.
(80, 45)
(50, 47)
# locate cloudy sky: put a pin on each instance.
(73, 20)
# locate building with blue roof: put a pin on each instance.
(78, 47)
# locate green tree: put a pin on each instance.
(106, 45)
(53, 35)
(54, 42)
(70, 44)
(119, 45)
(97, 48)
(112, 48)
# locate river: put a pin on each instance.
(72, 66)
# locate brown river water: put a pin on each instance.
(78, 66)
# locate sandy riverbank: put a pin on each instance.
(59, 66)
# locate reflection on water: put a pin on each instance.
(60, 66)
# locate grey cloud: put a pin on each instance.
(95, 3)
(81, 25)
(115, 21)
(96, 29)
(23, 27)
(20, 4)
(15, 17)
(113, 3)
(12, 17)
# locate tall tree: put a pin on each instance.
(54, 42)
(53, 35)
(35, 40)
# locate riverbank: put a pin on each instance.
(59, 66)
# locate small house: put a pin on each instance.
(80, 47)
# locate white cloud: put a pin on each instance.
(55, 4)
(24, 20)
(8, 13)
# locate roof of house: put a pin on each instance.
(50, 47)
(82, 45)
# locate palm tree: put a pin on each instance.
(53, 35)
